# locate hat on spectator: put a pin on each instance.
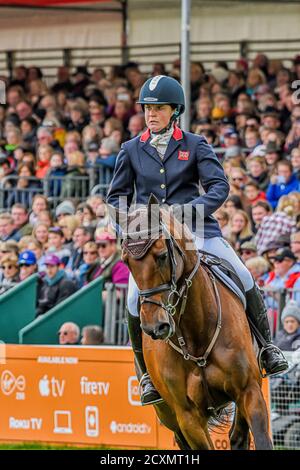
(93, 147)
(233, 151)
(259, 151)
(231, 133)
(284, 253)
(110, 145)
(65, 208)
(270, 111)
(52, 260)
(272, 245)
(291, 309)
(272, 147)
(248, 246)
(106, 237)
(27, 257)
(57, 230)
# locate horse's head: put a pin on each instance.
(156, 261)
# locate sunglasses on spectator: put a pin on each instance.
(247, 252)
(237, 179)
(8, 266)
(102, 245)
(90, 252)
(25, 265)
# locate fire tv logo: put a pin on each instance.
(133, 391)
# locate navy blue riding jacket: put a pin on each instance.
(173, 180)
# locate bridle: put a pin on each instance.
(138, 249)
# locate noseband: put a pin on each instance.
(138, 249)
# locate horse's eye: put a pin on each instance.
(162, 257)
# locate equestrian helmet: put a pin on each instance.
(163, 90)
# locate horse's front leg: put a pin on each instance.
(239, 433)
(253, 409)
(194, 428)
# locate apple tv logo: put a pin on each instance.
(51, 387)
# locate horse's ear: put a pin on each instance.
(152, 200)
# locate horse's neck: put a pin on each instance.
(199, 319)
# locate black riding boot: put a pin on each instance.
(271, 357)
(149, 395)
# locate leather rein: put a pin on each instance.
(138, 249)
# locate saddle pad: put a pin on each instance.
(227, 275)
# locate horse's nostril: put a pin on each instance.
(162, 330)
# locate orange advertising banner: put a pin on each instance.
(78, 395)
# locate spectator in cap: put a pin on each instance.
(248, 250)
(272, 155)
(64, 208)
(288, 339)
(92, 335)
(28, 264)
(92, 154)
(286, 273)
(283, 183)
(55, 287)
(69, 334)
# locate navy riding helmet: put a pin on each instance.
(163, 90)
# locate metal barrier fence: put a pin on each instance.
(285, 405)
(94, 180)
(115, 322)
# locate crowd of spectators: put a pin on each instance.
(249, 113)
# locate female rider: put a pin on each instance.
(170, 163)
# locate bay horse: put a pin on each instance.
(197, 342)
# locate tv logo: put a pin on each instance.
(133, 391)
(53, 386)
